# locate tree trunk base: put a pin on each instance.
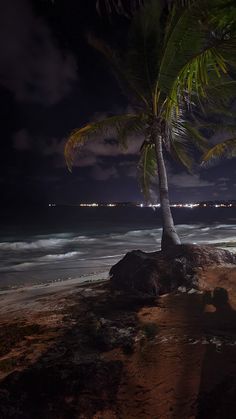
(165, 271)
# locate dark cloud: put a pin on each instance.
(223, 188)
(119, 169)
(129, 168)
(32, 66)
(53, 146)
(102, 173)
(186, 180)
(223, 179)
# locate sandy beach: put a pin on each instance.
(30, 297)
(75, 350)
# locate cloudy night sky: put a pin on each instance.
(52, 81)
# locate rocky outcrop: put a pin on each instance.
(164, 271)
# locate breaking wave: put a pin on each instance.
(49, 257)
(44, 243)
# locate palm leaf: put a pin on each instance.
(180, 153)
(221, 94)
(126, 7)
(183, 41)
(132, 126)
(127, 84)
(226, 148)
(187, 133)
(217, 127)
(118, 6)
(193, 55)
(144, 46)
(195, 137)
(79, 136)
(184, 137)
(147, 168)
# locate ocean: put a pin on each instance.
(60, 243)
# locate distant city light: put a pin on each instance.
(154, 205)
(89, 205)
(191, 205)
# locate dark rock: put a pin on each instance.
(164, 271)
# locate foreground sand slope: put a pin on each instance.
(84, 353)
(189, 369)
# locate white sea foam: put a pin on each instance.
(188, 226)
(40, 261)
(44, 243)
(60, 256)
(104, 257)
(225, 226)
(83, 239)
(37, 244)
(18, 266)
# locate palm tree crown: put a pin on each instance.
(174, 60)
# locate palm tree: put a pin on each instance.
(174, 59)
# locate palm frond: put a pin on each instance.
(219, 127)
(195, 137)
(183, 40)
(127, 84)
(226, 148)
(132, 126)
(193, 55)
(187, 133)
(79, 136)
(125, 8)
(147, 168)
(181, 154)
(222, 14)
(184, 138)
(221, 94)
(144, 47)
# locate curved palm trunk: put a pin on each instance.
(169, 234)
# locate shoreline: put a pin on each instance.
(17, 295)
(12, 299)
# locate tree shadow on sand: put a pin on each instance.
(217, 392)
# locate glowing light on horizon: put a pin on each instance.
(94, 204)
(190, 205)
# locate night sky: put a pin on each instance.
(51, 81)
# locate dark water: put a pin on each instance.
(59, 243)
